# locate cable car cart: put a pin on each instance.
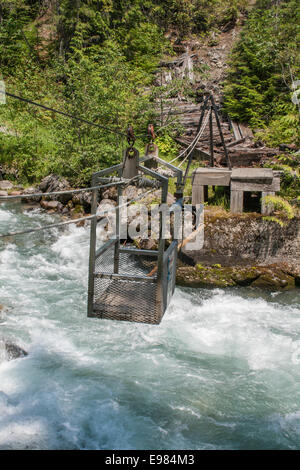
(127, 283)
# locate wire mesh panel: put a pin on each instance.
(130, 294)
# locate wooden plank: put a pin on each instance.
(236, 142)
(211, 177)
(236, 202)
(246, 131)
(264, 175)
(236, 131)
(249, 186)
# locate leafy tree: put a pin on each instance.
(264, 64)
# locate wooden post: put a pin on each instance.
(204, 108)
(198, 196)
(236, 201)
(221, 132)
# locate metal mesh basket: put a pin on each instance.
(123, 284)
(132, 298)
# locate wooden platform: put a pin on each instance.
(252, 180)
(240, 180)
(204, 177)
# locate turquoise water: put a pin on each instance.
(222, 371)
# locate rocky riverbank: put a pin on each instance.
(239, 250)
(71, 205)
(273, 277)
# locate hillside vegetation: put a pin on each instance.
(265, 64)
(97, 60)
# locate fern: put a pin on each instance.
(281, 205)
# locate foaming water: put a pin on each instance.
(218, 373)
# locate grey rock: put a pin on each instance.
(29, 191)
(10, 350)
(106, 205)
(5, 184)
(54, 183)
(110, 193)
(51, 205)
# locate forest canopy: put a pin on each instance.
(97, 59)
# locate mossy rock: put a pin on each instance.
(204, 276)
(78, 209)
(245, 276)
(208, 276)
(274, 280)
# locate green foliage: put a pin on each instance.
(100, 63)
(218, 198)
(168, 149)
(199, 267)
(264, 64)
(290, 177)
(86, 74)
(281, 207)
(269, 218)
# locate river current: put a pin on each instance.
(222, 371)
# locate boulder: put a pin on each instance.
(245, 276)
(29, 191)
(131, 192)
(268, 278)
(3, 193)
(83, 199)
(15, 193)
(53, 183)
(86, 201)
(5, 184)
(274, 280)
(51, 205)
(106, 205)
(204, 276)
(10, 350)
(110, 193)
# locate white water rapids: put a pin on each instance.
(221, 371)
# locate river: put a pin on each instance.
(222, 371)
